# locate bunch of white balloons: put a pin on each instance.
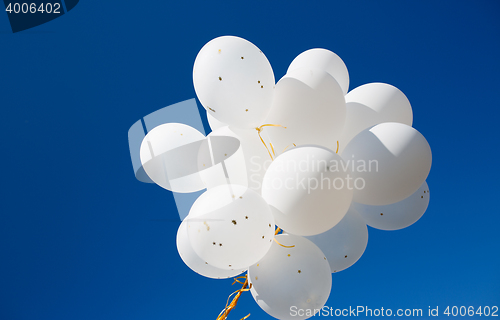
(302, 154)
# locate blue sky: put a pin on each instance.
(80, 238)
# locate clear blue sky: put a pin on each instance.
(80, 238)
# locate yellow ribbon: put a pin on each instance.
(272, 148)
(282, 244)
(288, 146)
(230, 306)
(259, 129)
(236, 280)
(275, 233)
(245, 287)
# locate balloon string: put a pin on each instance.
(259, 130)
(275, 233)
(230, 306)
(236, 280)
(282, 244)
(265, 146)
(288, 146)
(269, 125)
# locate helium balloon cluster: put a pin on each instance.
(303, 155)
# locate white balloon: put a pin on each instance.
(308, 190)
(291, 277)
(234, 81)
(194, 262)
(230, 227)
(398, 215)
(391, 159)
(180, 159)
(371, 104)
(311, 105)
(345, 243)
(222, 161)
(325, 60)
(257, 158)
(169, 156)
(214, 123)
